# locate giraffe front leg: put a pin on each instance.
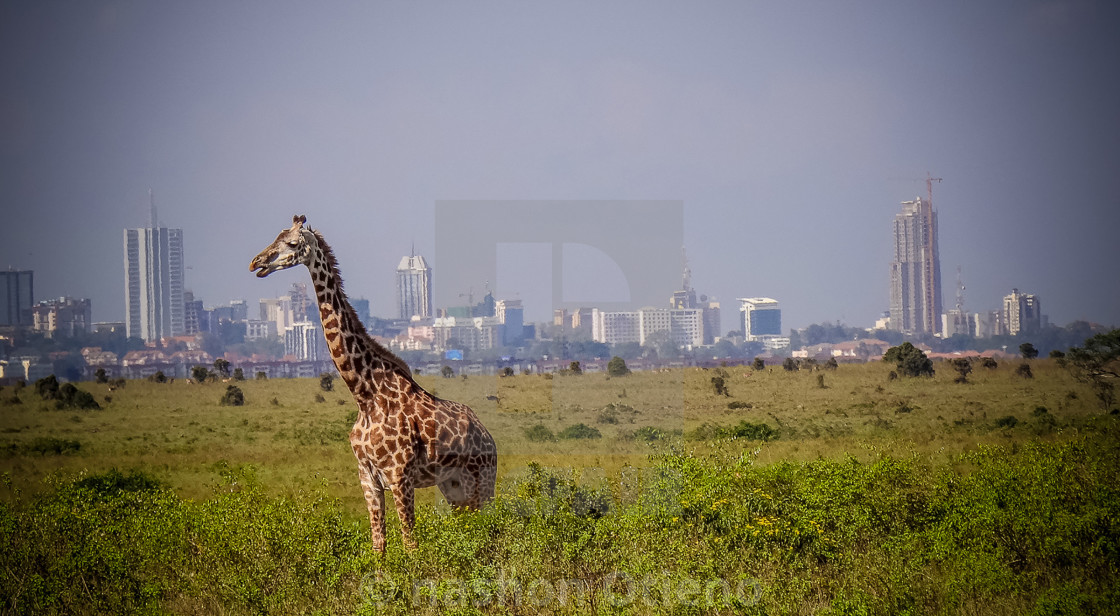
(375, 502)
(403, 498)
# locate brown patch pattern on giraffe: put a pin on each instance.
(404, 437)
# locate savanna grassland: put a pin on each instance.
(826, 491)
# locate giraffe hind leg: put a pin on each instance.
(375, 502)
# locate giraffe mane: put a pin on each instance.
(355, 324)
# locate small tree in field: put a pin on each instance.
(222, 366)
(758, 364)
(233, 396)
(447, 372)
(199, 374)
(326, 381)
(1028, 351)
(720, 386)
(963, 367)
(100, 376)
(1097, 363)
(911, 361)
(617, 367)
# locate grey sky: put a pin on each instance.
(787, 129)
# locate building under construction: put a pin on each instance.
(916, 269)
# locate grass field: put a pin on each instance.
(868, 495)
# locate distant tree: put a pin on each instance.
(158, 377)
(1028, 351)
(963, 367)
(1097, 363)
(831, 364)
(222, 366)
(199, 374)
(447, 372)
(507, 371)
(720, 386)
(617, 367)
(988, 362)
(238, 374)
(47, 387)
(100, 376)
(758, 363)
(1056, 354)
(326, 381)
(233, 396)
(575, 368)
(910, 360)
(1024, 370)
(262, 375)
(790, 364)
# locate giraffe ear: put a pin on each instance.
(299, 219)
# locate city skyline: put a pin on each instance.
(789, 132)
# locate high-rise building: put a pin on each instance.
(304, 341)
(17, 295)
(414, 287)
(511, 315)
(153, 267)
(761, 318)
(684, 326)
(1022, 313)
(916, 270)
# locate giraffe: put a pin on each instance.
(404, 438)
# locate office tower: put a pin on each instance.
(916, 270)
(511, 315)
(1022, 313)
(153, 265)
(17, 295)
(414, 287)
(63, 317)
(761, 317)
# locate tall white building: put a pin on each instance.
(414, 287)
(304, 340)
(916, 270)
(154, 270)
(1022, 313)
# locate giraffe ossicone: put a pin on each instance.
(404, 438)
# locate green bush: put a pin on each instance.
(233, 396)
(539, 433)
(579, 431)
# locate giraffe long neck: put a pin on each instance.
(353, 350)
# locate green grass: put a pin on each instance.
(869, 496)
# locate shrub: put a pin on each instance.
(909, 359)
(617, 367)
(45, 445)
(262, 375)
(578, 431)
(326, 381)
(1007, 421)
(507, 371)
(238, 374)
(989, 363)
(100, 376)
(1024, 370)
(739, 404)
(831, 364)
(575, 368)
(963, 367)
(820, 381)
(720, 386)
(752, 431)
(319, 398)
(539, 433)
(649, 433)
(200, 373)
(47, 387)
(233, 396)
(790, 364)
(70, 397)
(158, 377)
(758, 364)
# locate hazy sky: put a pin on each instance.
(790, 131)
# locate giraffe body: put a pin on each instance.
(404, 438)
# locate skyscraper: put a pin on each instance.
(916, 270)
(153, 267)
(414, 287)
(17, 295)
(1022, 313)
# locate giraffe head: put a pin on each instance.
(292, 247)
